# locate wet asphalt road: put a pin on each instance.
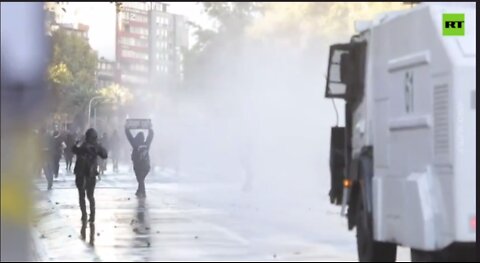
(168, 225)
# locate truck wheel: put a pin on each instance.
(426, 256)
(368, 249)
(453, 253)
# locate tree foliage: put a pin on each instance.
(116, 94)
(299, 23)
(72, 72)
(231, 18)
(293, 26)
(60, 75)
(78, 56)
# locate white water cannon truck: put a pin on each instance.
(403, 167)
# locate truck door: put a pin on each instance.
(345, 81)
(336, 88)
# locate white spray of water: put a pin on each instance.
(256, 125)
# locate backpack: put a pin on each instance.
(140, 156)
(87, 162)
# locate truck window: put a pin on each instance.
(335, 87)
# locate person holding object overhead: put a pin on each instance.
(140, 154)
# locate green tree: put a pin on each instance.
(232, 18)
(300, 23)
(115, 94)
(72, 73)
(115, 99)
(60, 75)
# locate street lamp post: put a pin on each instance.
(90, 108)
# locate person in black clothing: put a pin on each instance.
(103, 163)
(86, 170)
(56, 152)
(114, 150)
(140, 158)
(67, 153)
(37, 162)
(47, 143)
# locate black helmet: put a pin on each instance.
(140, 138)
(91, 135)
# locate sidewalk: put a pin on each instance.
(56, 233)
(53, 231)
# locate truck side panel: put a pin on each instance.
(420, 188)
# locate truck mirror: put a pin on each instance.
(336, 87)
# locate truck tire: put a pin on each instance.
(453, 253)
(368, 249)
(426, 256)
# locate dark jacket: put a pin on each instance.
(69, 142)
(56, 145)
(136, 142)
(86, 163)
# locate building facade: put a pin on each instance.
(168, 40)
(105, 73)
(132, 51)
(150, 44)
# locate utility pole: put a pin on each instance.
(90, 108)
(118, 9)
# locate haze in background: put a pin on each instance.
(254, 124)
(255, 121)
